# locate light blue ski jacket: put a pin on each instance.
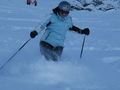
(55, 32)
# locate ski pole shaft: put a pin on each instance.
(14, 54)
(82, 47)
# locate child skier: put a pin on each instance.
(56, 26)
(35, 2)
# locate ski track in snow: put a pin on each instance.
(99, 69)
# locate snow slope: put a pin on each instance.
(99, 68)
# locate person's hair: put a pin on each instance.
(56, 10)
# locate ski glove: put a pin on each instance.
(85, 31)
(33, 34)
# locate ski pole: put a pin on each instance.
(18, 49)
(82, 46)
(14, 54)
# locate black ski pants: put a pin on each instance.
(50, 52)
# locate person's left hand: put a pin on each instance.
(85, 31)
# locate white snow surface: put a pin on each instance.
(99, 68)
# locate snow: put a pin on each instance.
(99, 68)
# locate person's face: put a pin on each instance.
(63, 13)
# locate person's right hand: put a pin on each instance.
(33, 34)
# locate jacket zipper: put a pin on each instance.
(48, 35)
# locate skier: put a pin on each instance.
(29, 2)
(56, 26)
